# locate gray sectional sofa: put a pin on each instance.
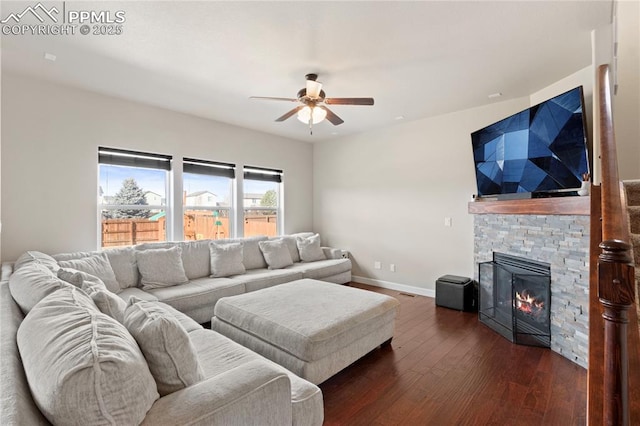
(198, 296)
(40, 311)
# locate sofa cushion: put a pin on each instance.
(218, 354)
(322, 268)
(129, 292)
(122, 260)
(251, 255)
(161, 267)
(97, 265)
(309, 248)
(32, 283)
(82, 366)
(198, 297)
(77, 278)
(276, 253)
(196, 258)
(107, 302)
(195, 255)
(186, 322)
(226, 259)
(257, 279)
(290, 241)
(35, 257)
(125, 267)
(166, 345)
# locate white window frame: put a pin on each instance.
(135, 159)
(212, 168)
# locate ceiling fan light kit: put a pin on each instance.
(312, 99)
(316, 114)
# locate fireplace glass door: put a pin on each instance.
(515, 300)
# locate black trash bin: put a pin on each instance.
(456, 292)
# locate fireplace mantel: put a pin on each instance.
(536, 206)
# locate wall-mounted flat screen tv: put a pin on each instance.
(541, 150)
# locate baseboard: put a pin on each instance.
(394, 286)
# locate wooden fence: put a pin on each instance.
(198, 225)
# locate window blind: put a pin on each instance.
(122, 157)
(211, 168)
(260, 173)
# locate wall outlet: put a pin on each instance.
(392, 267)
(447, 221)
(377, 265)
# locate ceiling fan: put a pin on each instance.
(313, 101)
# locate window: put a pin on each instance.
(132, 196)
(261, 201)
(207, 199)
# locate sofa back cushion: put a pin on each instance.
(122, 260)
(30, 257)
(97, 265)
(251, 255)
(195, 257)
(292, 246)
(166, 345)
(107, 302)
(82, 366)
(32, 283)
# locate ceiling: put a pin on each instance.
(417, 59)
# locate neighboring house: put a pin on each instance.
(202, 199)
(252, 200)
(153, 199)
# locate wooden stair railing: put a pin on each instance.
(613, 343)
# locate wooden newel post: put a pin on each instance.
(616, 294)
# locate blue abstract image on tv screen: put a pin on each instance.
(537, 150)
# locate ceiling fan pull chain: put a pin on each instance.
(311, 124)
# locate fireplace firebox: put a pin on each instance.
(514, 299)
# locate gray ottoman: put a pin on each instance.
(310, 327)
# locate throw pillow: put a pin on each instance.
(226, 259)
(77, 278)
(276, 253)
(290, 241)
(32, 283)
(83, 367)
(107, 302)
(161, 267)
(166, 345)
(309, 248)
(97, 265)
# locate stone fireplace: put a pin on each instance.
(562, 241)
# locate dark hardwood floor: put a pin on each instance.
(445, 368)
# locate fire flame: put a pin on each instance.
(529, 304)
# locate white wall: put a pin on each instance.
(50, 136)
(384, 196)
(626, 103)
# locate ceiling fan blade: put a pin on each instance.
(331, 116)
(348, 101)
(290, 113)
(269, 98)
